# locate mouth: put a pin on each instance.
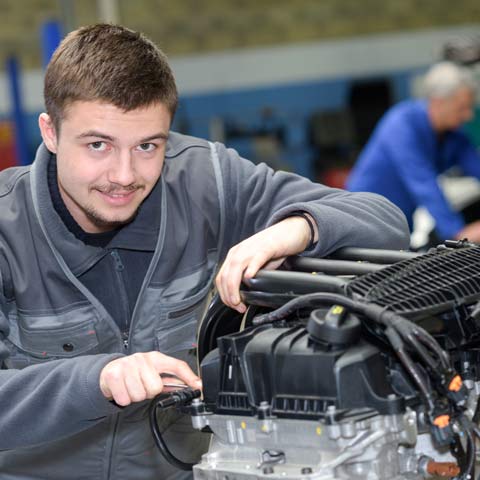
(117, 198)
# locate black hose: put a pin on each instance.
(466, 457)
(309, 300)
(331, 267)
(165, 401)
(162, 446)
(407, 328)
(398, 345)
(280, 281)
(414, 337)
(373, 255)
(469, 470)
(430, 342)
(423, 353)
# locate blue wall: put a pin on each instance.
(290, 108)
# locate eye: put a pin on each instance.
(147, 147)
(98, 146)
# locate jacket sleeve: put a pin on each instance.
(418, 173)
(51, 400)
(256, 196)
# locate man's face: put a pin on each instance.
(108, 160)
(458, 108)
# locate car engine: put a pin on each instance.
(363, 365)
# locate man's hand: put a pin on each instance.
(136, 377)
(266, 249)
(471, 232)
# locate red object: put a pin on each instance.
(7, 145)
(335, 177)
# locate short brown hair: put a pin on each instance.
(109, 63)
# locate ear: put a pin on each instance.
(47, 129)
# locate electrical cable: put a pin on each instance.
(468, 467)
(409, 365)
(372, 311)
(163, 401)
(426, 339)
(430, 342)
(421, 350)
(308, 300)
(418, 338)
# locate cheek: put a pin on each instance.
(151, 173)
(75, 178)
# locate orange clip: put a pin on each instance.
(455, 384)
(442, 421)
(443, 469)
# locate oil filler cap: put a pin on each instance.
(336, 326)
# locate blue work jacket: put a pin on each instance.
(403, 159)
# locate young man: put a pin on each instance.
(109, 245)
(417, 140)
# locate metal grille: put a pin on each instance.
(424, 285)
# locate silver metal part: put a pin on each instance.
(362, 447)
(366, 448)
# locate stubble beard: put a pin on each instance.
(104, 223)
(101, 221)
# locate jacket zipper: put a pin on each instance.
(120, 267)
(112, 446)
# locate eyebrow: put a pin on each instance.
(96, 134)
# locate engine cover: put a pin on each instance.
(296, 374)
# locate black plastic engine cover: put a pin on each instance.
(296, 376)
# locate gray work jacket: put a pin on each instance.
(55, 336)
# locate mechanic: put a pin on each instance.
(414, 142)
(110, 243)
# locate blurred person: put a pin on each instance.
(414, 142)
(109, 245)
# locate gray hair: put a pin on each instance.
(445, 78)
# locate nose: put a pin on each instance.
(122, 171)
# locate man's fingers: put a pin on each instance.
(112, 384)
(256, 263)
(229, 278)
(136, 377)
(219, 283)
(241, 262)
(267, 248)
(180, 369)
(152, 382)
(135, 388)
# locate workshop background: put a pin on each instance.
(297, 84)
